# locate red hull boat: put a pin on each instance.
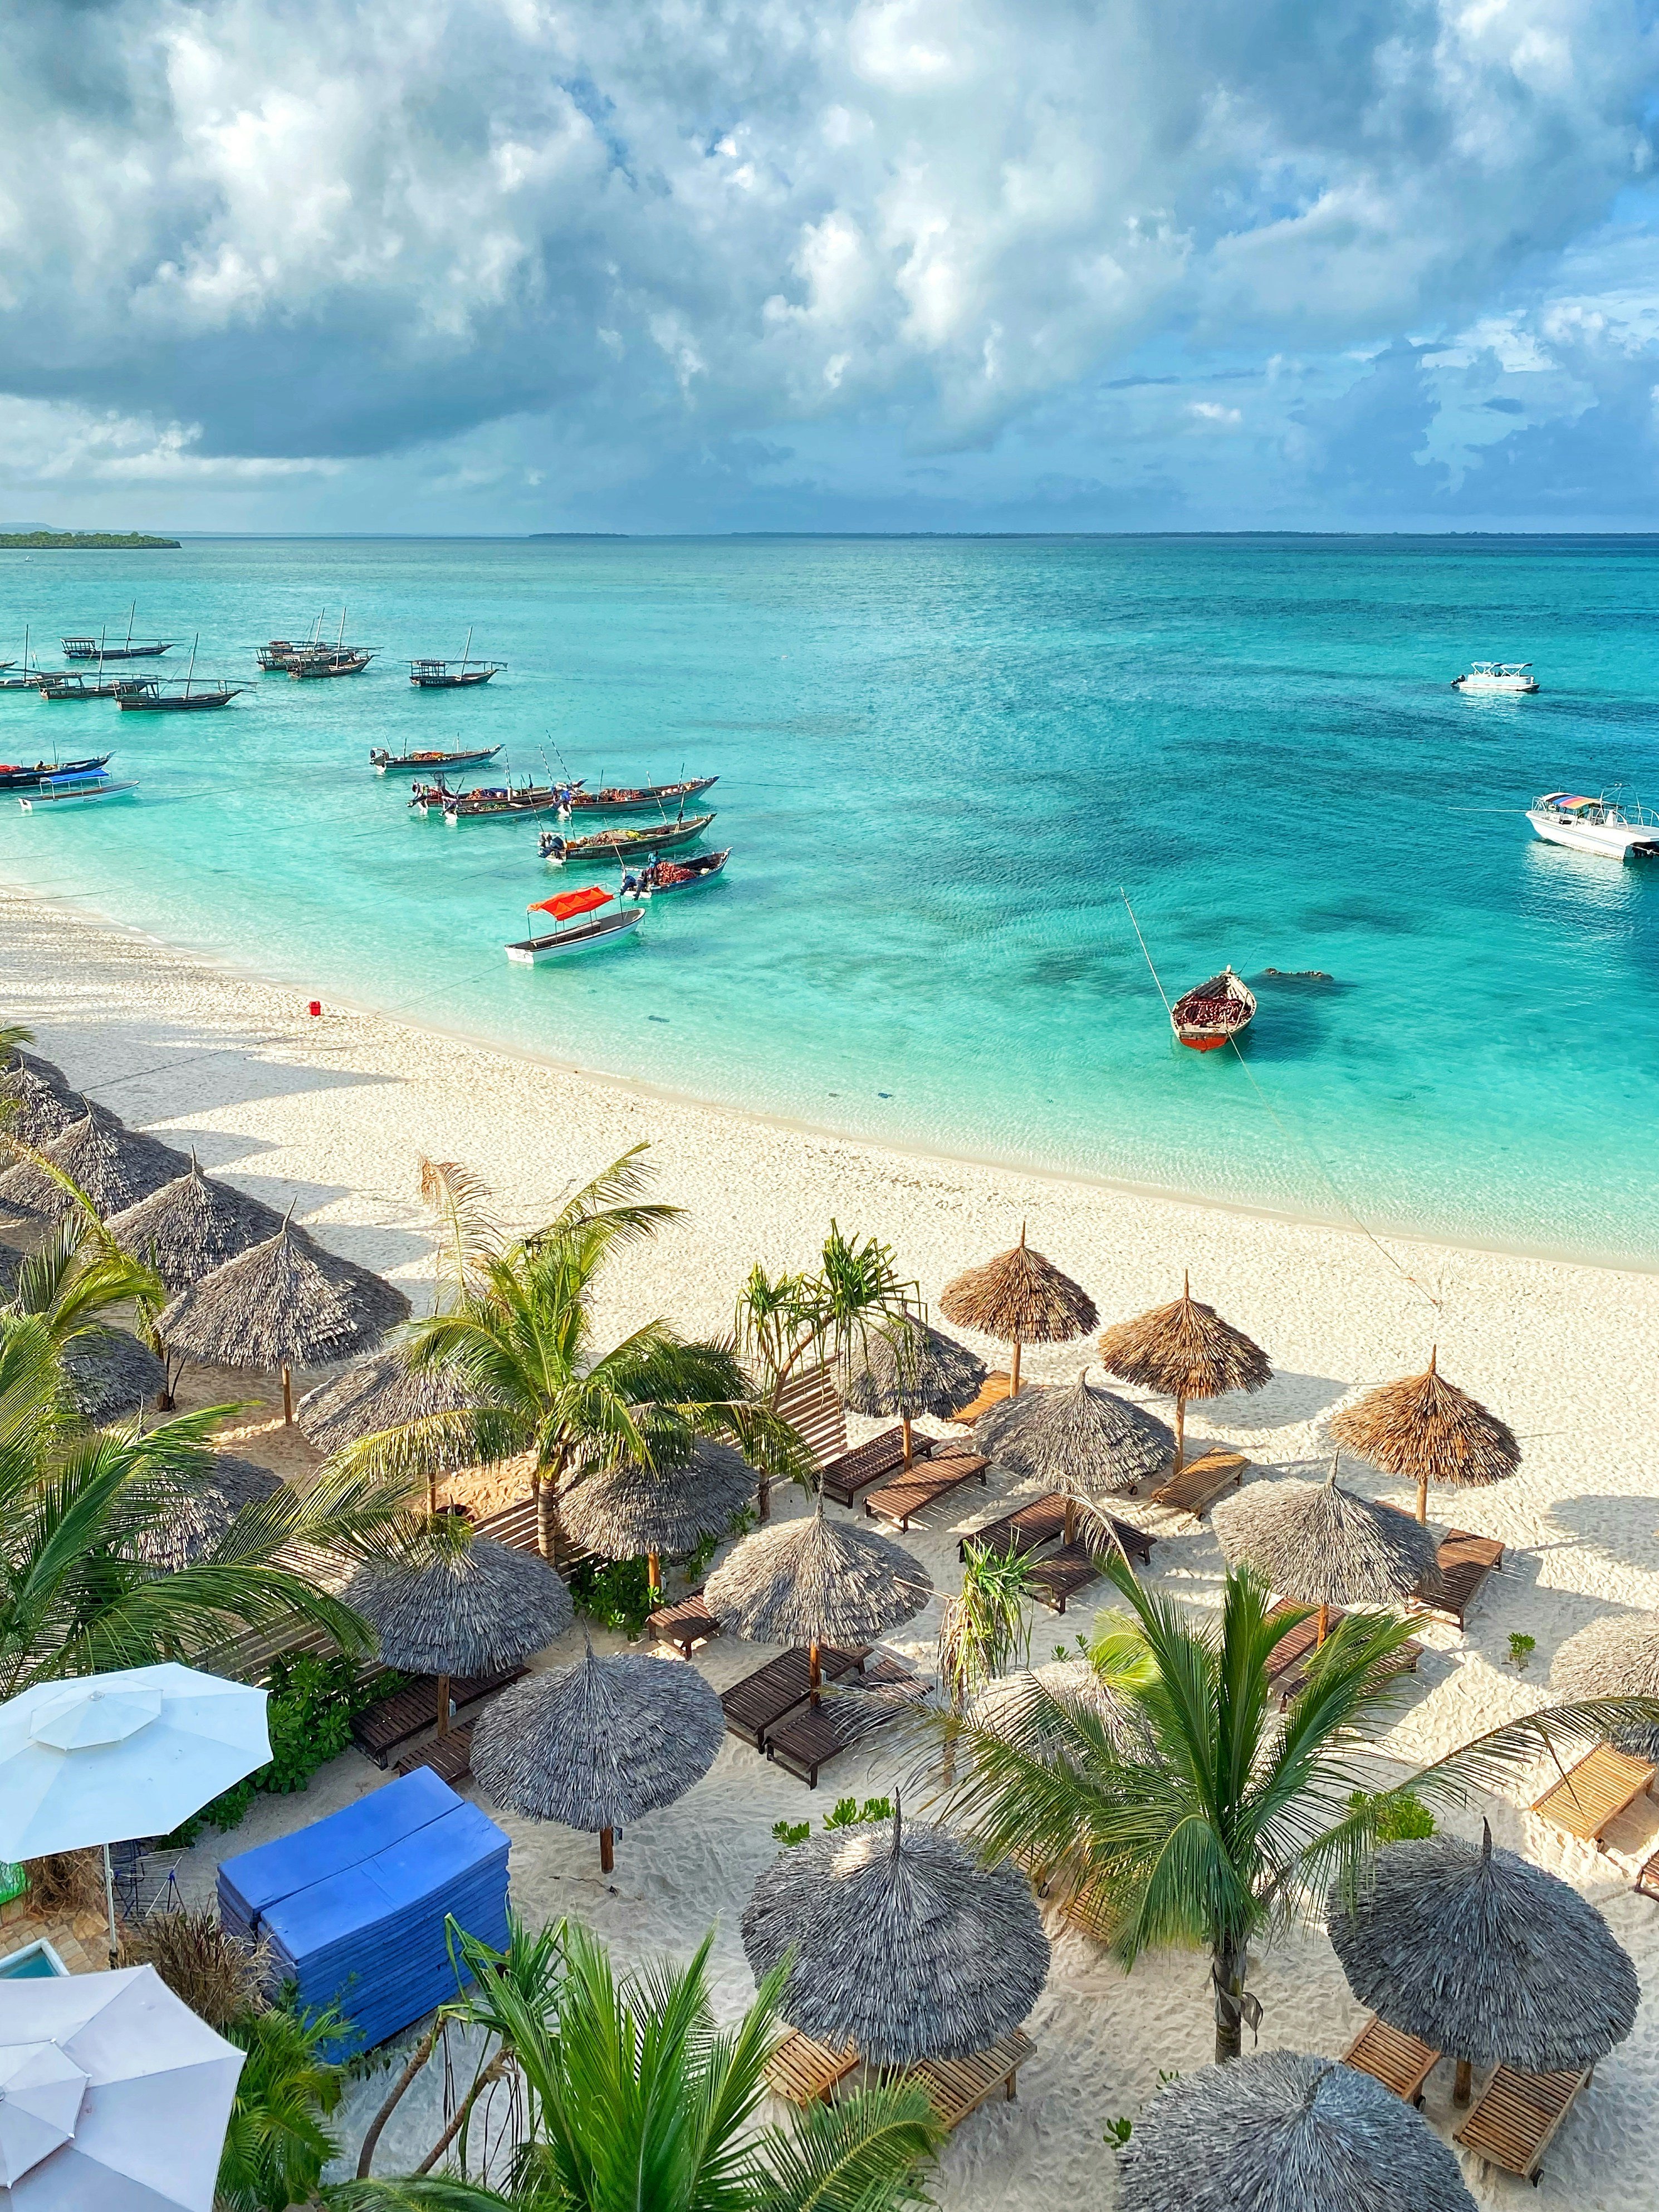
(1214, 1013)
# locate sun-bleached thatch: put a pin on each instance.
(198, 1517)
(627, 1511)
(1076, 1438)
(476, 1610)
(1617, 1657)
(1422, 1430)
(1019, 1298)
(1484, 1956)
(1280, 2131)
(906, 1368)
(34, 1109)
(111, 1374)
(600, 1744)
(115, 1166)
(814, 1581)
(1183, 1351)
(905, 1944)
(1319, 1544)
(286, 1303)
(381, 1391)
(46, 1071)
(192, 1225)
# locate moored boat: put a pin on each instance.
(56, 683)
(130, 648)
(585, 929)
(193, 697)
(622, 799)
(331, 661)
(13, 777)
(385, 764)
(430, 674)
(1607, 824)
(76, 790)
(665, 876)
(622, 844)
(1213, 1013)
(1496, 676)
(485, 801)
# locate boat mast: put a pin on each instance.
(131, 612)
(340, 641)
(466, 650)
(190, 670)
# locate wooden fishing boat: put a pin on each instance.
(582, 928)
(132, 648)
(79, 790)
(492, 801)
(433, 675)
(385, 764)
(56, 683)
(666, 875)
(14, 777)
(1209, 1017)
(622, 844)
(190, 700)
(282, 653)
(619, 799)
(351, 661)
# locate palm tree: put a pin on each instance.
(1193, 1811)
(983, 1632)
(633, 2098)
(515, 1326)
(278, 2139)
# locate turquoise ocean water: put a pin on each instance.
(939, 759)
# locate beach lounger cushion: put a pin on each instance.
(1518, 2116)
(804, 2072)
(760, 1700)
(1398, 2061)
(1201, 1481)
(922, 1486)
(960, 2085)
(1595, 1792)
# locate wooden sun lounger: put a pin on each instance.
(1033, 1525)
(804, 2072)
(378, 1729)
(449, 1756)
(685, 1624)
(1466, 1562)
(1057, 1579)
(922, 1486)
(1596, 1791)
(1518, 2117)
(1287, 1669)
(995, 1389)
(761, 1700)
(1647, 1882)
(1201, 1481)
(813, 1735)
(960, 2085)
(842, 1479)
(1398, 2061)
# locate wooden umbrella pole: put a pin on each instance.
(653, 1574)
(607, 1850)
(1013, 1380)
(1423, 1500)
(1464, 2082)
(905, 1417)
(812, 1673)
(1068, 1529)
(443, 1704)
(1180, 1434)
(1324, 1626)
(288, 1395)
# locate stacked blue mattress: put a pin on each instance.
(355, 1907)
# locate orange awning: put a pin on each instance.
(570, 904)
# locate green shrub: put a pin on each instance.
(791, 1832)
(849, 1814)
(1521, 1647)
(616, 1593)
(1401, 1816)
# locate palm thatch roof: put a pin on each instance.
(47, 1071)
(1424, 1430)
(287, 1302)
(380, 1390)
(600, 1744)
(1078, 1439)
(1280, 2131)
(114, 1165)
(1484, 1956)
(1185, 1351)
(814, 1581)
(111, 1374)
(194, 1523)
(473, 1611)
(11, 1262)
(1617, 1657)
(1019, 1298)
(192, 1225)
(626, 1510)
(910, 1368)
(34, 1109)
(1033, 1706)
(1319, 1544)
(904, 1943)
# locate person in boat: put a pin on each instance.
(630, 885)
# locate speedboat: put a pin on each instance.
(1497, 676)
(1603, 824)
(1213, 1013)
(72, 790)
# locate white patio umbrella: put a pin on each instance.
(114, 2097)
(109, 1757)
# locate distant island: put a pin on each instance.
(542, 537)
(87, 541)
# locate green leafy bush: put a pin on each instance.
(312, 1704)
(616, 1593)
(1402, 1817)
(791, 1832)
(849, 1814)
(1521, 1647)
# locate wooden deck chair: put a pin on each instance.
(685, 1624)
(1466, 1562)
(960, 2085)
(842, 1479)
(761, 1700)
(449, 1757)
(814, 1734)
(804, 2072)
(922, 1486)
(380, 1728)
(995, 1389)
(1201, 1481)
(1518, 2116)
(1398, 2061)
(1042, 1521)
(1586, 1801)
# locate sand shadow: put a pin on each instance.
(1286, 1400)
(1626, 1528)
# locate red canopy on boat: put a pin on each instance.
(569, 904)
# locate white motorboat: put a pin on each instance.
(586, 929)
(1497, 676)
(74, 790)
(1606, 824)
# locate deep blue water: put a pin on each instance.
(938, 760)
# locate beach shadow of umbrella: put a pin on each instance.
(1626, 1528)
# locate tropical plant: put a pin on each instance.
(1190, 1808)
(79, 1273)
(278, 2139)
(633, 2098)
(515, 1327)
(218, 1975)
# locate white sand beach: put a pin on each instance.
(331, 1114)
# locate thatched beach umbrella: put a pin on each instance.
(1019, 1298)
(1183, 1351)
(909, 1368)
(115, 1166)
(192, 1225)
(196, 1520)
(285, 1303)
(1322, 1546)
(814, 1582)
(1080, 1440)
(1283, 2132)
(600, 1744)
(1426, 1430)
(34, 1108)
(625, 1511)
(1050, 1694)
(111, 1373)
(381, 1391)
(1617, 1657)
(477, 1609)
(903, 1943)
(1480, 1954)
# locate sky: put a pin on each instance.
(702, 265)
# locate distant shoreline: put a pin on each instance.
(85, 541)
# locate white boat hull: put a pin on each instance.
(562, 944)
(29, 801)
(1510, 684)
(1614, 840)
